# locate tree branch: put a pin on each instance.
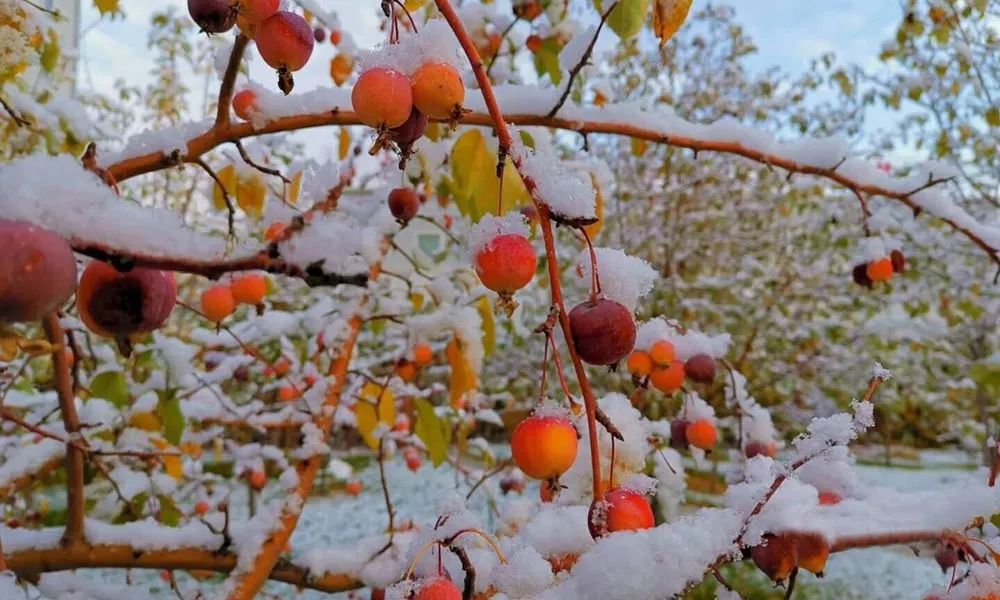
(30, 563)
(75, 509)
(229, 81)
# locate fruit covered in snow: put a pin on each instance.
(627, 510)
(382, 98)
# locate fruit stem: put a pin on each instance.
(595, 278)
(505, 142)
(408, 16)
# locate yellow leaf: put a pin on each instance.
(173, 466)
(464, 381)
(485, 309)
(146, 421)
(344, 148)
(377, 405)
(414, 5)
(475, 184)
(340, 68)
(417, 300)
(639, 146)
(294, 189)
(595, 228)
(668, 16)
(227, 175)
(251, 194)
(106, 6)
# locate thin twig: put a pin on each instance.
(583, 61)
(18, 119)
(230, 209)
(269, 171)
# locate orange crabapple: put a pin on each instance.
(382, 98)
(662, 353)
(668, 379)
(438, 91)
(217, 303)
(422, 354)
(353, 487)
(257, 479)
(249, 289)
(639, 363)
(437, 588)
(406, 370)
(202, 507)
(255, 11)
(275, 231)
(776, 556)
(880, 270)
(544, 447)
(245, 104)
(702, 434)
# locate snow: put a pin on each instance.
(491, 227)
(623, 278)
(569, 194)
(463, 321)
(28, 458)
(686, 344)
(79, 207)
(572, 53)
(651, 564)
(433, 42)
(526, 573)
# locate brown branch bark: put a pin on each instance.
(216, 136)
(30, 563)
(229, 81)
(75, 509)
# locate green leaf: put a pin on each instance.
(107, 6)
(169, 411)
(429, 243)
(432, 431)
(50, 54)
(628, 17)
(993, 116)
(547, 59)
(170, 515)
(111, 386)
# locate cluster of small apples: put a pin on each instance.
(879, 270)
(38, 276)
(659, 363)
(398, 105)
(284, 39)
(408, 367)
(779, 554)
(220, 301)
(320, 35)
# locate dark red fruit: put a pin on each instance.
(700, 368)
(404, 204)
(213, 16)
(511, 484)
(898, 261)
(412, 130)
(319, 34)
(678, 434)
(860, 275)
(758, 448)
(946, 557)
(285, 42)
(603, 331)
(37, 271)
(115, 304)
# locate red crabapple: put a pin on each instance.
(758, 448)
(255, 11)
(775, 556)
(812, 550)
(115, 304)
(828, 498)
(335, 36)
(37, 271)
(860, 275)
(603, 331)
(382, 97)
(213, 16)
(437, 588)
(700, 368)
(285, 42)
(319, 34)
(409, 132)
(678, 433)
(880, 270)
(627, 510)
(245, 104)
(506, 264)
(404, 204)
(544, 447)
(257, 479)
(438, 90)
(898, 261)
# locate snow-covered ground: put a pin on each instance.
(340, 520)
